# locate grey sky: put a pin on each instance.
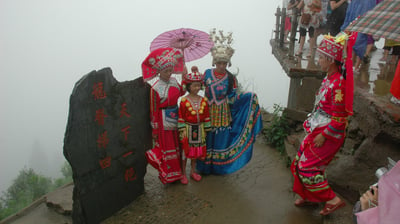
(48, 45)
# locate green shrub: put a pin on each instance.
(278, 130)
(29, 186)
(26, 188)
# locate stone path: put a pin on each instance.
(258, 193)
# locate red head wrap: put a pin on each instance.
(160, 59)
(330, 48)
(340, 49)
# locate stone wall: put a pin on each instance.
(106, 137)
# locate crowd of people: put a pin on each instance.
(216, 132)
(332, 17)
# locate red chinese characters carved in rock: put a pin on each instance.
(102, 140)
(123, 111)
(127, 154)
(106, 162)
(126, 131)
(100, 115)
(98, 91)
(130, 174)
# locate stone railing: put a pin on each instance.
(305, 75)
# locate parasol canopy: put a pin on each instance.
(194, 44)
(381, 21)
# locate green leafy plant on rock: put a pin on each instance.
(278, 129)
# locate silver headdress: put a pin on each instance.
(222, 50)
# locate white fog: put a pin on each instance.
(48, 45)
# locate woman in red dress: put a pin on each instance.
(165, 155)
(325, 128)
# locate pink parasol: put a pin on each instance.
(194, 44)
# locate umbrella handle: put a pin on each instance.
(185, 71)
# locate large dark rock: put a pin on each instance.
(106, 137)
(372, 137)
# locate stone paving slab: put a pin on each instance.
(61, 199)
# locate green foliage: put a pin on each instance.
(29, 186)
(278, 130)
(66, 170)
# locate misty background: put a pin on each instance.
(46, 46)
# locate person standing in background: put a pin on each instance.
(289, 5)
(364, 42)
(310, 20)
(337, 15)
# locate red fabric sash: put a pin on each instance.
(395, 87)
(349, 77)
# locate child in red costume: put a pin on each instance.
(193, 122)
